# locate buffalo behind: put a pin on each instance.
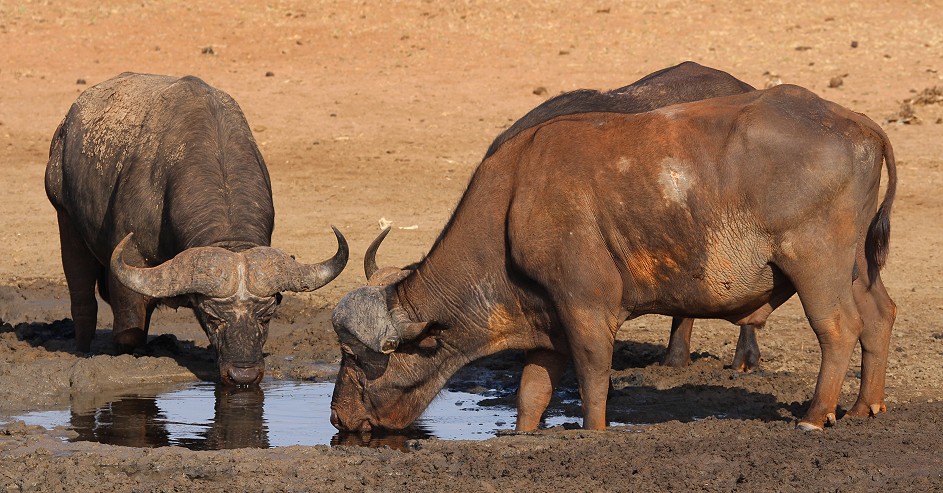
(162, 196)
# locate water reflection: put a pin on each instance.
(238, 421)
(132, 422)
(204, 416)
(138, 421)
(394, 440)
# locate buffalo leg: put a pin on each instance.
(591, 345)
(878, 311)
(586, 289)
(132, 313)
(747, 356)
(82, 271)
(679, 343)
(542, 371)
(837, 327)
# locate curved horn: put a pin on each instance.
(277, 272)
(370, 257)
(205, 270)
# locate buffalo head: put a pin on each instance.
(378, 339)
(234, 295)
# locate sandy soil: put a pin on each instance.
(379, 111)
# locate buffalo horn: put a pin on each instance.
(205, 270)
(370, 257)
(291, 275)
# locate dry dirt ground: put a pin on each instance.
(382, 110)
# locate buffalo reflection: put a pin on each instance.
(138, 421)
(132, 422)
(297, 414)
(401, 440)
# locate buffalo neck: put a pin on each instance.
(229, 203)
(463, 286)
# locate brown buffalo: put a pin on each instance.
(720, 208)
(682, 83)
(173, 163)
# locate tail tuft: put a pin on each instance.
(877, 242)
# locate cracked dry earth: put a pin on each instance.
(380, 110)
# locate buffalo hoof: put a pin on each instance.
(83, 345)
(861, 409)
(128, 340)
(746, 364)
(676, 360)
(806, 426)
(809, 426)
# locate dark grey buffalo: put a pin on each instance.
(720, 208)
(162, 196)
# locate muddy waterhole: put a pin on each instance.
(207, 416)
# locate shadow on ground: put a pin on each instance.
(59, 336)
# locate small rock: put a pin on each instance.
(854, 44)
(836, 81)
(773, 80)
(905, 115)
(20, 428)
(540, 90)
(208, 50)
(80, 82)
(564, 52)
(270, 74)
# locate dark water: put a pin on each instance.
(204, 416)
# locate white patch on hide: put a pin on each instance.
(625, 165)
(670, 112)
(242, 292)
(675, 181)
(865, 154)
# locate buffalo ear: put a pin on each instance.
(412, 330)
(428, 342)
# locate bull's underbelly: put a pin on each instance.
(707, 295)
(706, 265)
(724, 279)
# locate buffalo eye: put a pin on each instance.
(349, 352)
(214, 319)
(267, 312)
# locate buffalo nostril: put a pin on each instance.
(334, 421)
(244, 376)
